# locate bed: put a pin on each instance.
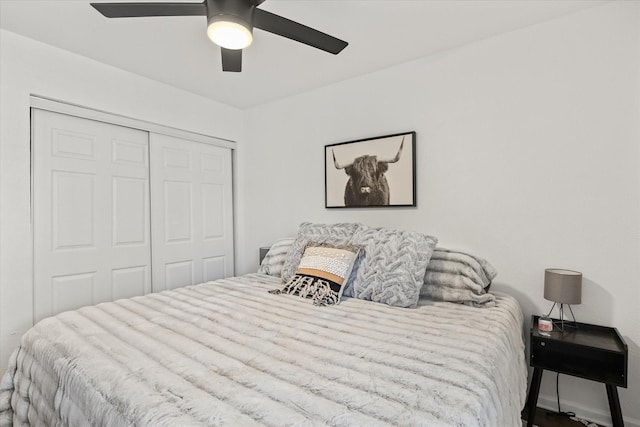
(230, 353)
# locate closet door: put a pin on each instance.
(192, 212)
(90, 212)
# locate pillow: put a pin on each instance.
(322, 273)
(332, 234)
(459, 277)
(392, 265)
(274, 259)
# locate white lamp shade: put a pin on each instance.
(563, 286)
(229, 34)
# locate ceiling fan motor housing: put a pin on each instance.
(238, 11)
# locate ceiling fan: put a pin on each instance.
(230, 24)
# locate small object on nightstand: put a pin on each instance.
(545, 325)
(593, 352)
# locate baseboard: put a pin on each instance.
(598, 417)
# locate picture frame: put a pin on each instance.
(372, 172)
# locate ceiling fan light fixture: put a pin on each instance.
(230, 24)
(229, 33)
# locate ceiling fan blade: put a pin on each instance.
(284, 27)
(132, 10)
(231, 60)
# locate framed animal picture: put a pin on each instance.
(372, 172)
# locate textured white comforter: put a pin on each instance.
(229, 353)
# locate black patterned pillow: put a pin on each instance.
(322, 273)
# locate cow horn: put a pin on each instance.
(397, 157)
(335, 162)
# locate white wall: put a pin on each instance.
(29, 67)
(527, 153)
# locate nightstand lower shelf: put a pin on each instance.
(532, 400)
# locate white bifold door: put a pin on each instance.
(192, 212)
(116, 216)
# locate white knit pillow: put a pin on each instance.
(332, 234)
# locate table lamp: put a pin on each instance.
(563, 287)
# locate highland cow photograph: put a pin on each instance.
(372, 172)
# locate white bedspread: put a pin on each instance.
(229, 353)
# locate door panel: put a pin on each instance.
(74, 145)
(213, 204)
(192, 212)
(178, 212)
(73, 215)
(130, 216)
(213, 268)
(178, 274)
(90, 212)
(129, 282)
(72, 291)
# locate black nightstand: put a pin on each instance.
(593, 352)
(263, 252)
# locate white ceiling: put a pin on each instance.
(176, 50)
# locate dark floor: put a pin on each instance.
(546, 418)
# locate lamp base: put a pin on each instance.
(562, 323)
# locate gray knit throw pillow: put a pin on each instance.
(392, 265)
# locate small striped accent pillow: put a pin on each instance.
(457, 276)
(274, 259)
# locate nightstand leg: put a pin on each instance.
(532, 399)
(614, 406)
